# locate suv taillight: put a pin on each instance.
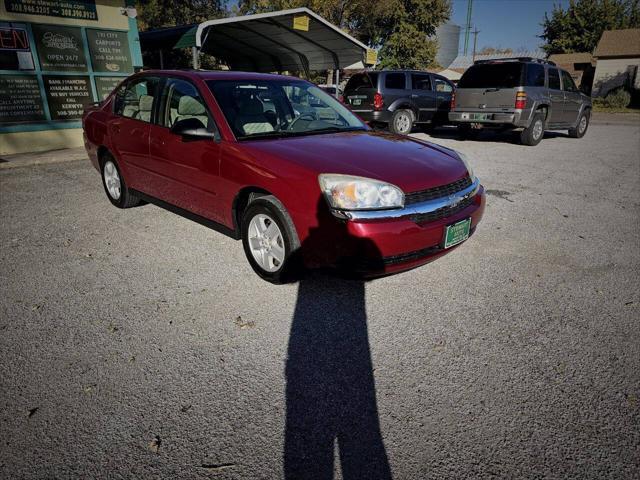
(378, 101)
(521, 100)
(453, 100)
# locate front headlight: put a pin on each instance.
(346, 192)
(465, 160)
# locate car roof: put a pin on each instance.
(219, 74)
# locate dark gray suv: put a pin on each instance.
(399, 98)
(528, 94)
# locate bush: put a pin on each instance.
(618, 98)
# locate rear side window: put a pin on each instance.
(535, 75)
(135, 99)
(420, 81)
(493, 75)
(554, 79)
(362, 80)
(395, 81)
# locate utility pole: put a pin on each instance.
(475, 42)
(467, 28)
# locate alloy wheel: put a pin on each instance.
(583, 124)
(112, 180)
(403, 123)
(537, 129)
(266, 243)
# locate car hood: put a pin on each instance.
(406, 162)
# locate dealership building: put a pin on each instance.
(56, 57)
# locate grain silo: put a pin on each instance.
(448, 37)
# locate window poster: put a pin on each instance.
(60, 48)
(20, 99)
(109, 51)
(67, 95)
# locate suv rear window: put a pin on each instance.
(493, 75)
(395, 80)
(362, 80)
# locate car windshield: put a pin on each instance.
(280, 108)
(493, 75)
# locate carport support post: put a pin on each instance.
(337, 80)
(194, 53)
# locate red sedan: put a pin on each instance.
(278, 163)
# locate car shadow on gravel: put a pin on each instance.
(498, 136)
(330, 389)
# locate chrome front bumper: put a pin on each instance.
(413, 210)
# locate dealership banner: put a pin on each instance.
(20, 99)
(67, 95)
(109, 51)
(78, 9)
(60, 48)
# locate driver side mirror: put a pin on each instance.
(191, 129)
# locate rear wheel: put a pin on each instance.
(269, 239)
(114, 185)
(401, 122)
(581, 127)
(532, 135)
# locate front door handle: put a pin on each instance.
(115, 128)
(413, 95)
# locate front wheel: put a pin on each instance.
(269, 239)
(581, 127)
(401, 122)
(532, 135)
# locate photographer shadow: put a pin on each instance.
(330, 388)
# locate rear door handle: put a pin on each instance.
(413, 95)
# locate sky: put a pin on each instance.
(504, 23)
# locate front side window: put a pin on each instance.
(554, 79)
(395, 81)
(567, 82)
(280, 108)
(420, 81)
(135, 99)
(442, 86)
(183, 101)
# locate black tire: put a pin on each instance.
(465, 132)
(271, 207)
(581, 126)
(401, 122)
(532, 135)
(126, 198)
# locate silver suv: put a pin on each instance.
(523, 93)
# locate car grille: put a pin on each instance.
(437, 192)
(441, 212)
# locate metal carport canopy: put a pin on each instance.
(268, 42)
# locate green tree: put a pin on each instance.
(170, 13)
(580, 26)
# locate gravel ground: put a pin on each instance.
(137, 344)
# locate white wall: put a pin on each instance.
(610, 73)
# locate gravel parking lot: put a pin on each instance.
(137, 344)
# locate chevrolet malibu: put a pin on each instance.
(285, 167)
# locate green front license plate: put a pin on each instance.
(456, 233)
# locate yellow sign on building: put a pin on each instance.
(372, 57)
(301, 22)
